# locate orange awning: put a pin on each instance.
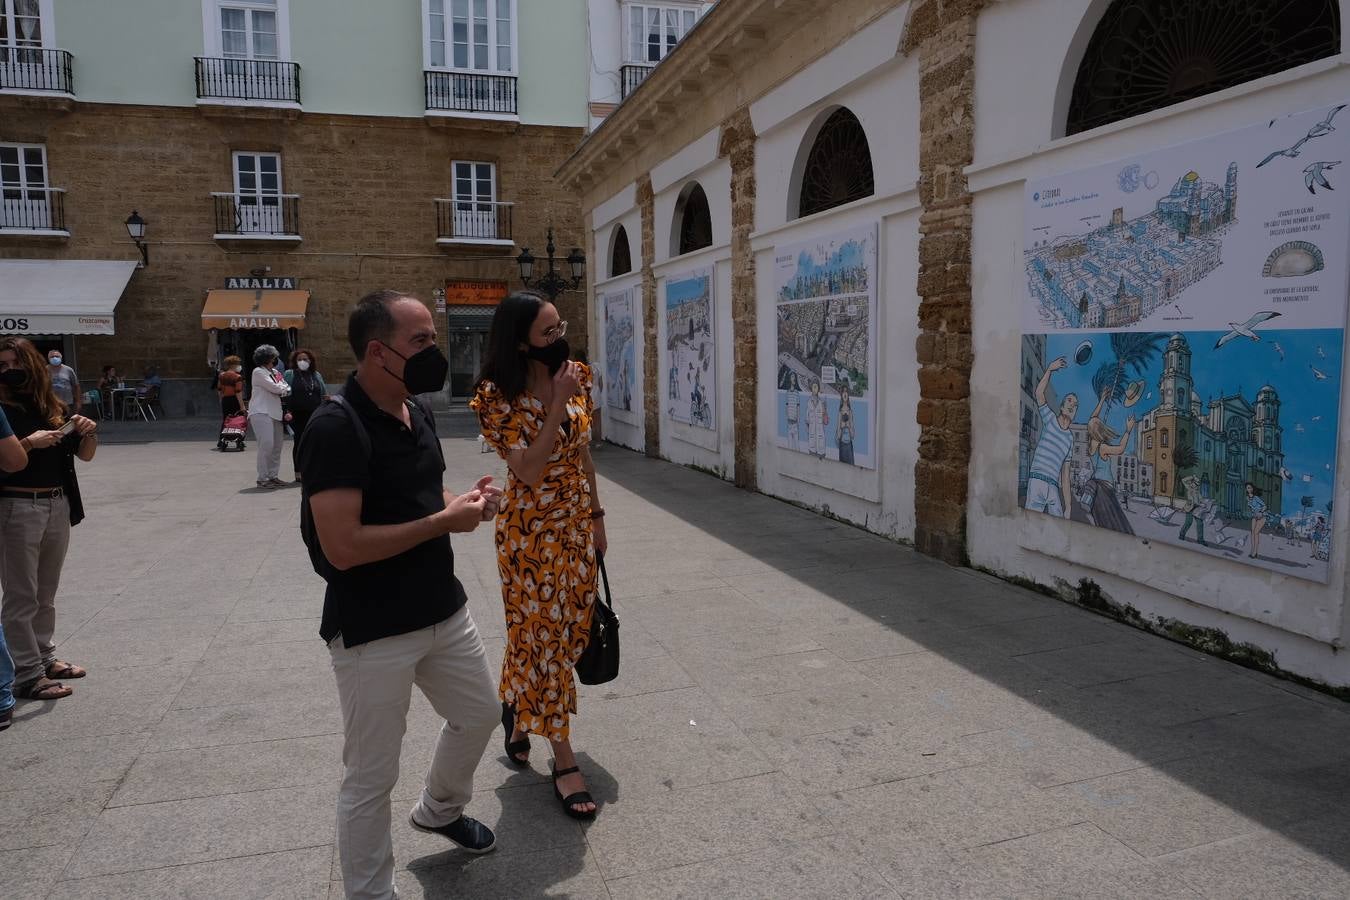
(255, 309)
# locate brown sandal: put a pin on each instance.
(59, 669)
(37, 690)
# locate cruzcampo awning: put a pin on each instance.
(255, 309)
(61, 296)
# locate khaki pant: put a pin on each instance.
(271, 433)
(34, 536)
(374, 681)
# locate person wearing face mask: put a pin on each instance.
(64, 381)
(39, 504)
(266, 416)
(394, 614)
(535, 410)
(307, 392)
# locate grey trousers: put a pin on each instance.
(271, 433)
(34, 537)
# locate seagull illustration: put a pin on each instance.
(1245, 328)
(1318, 373)
(1322, 128)
(1321, 354)
(1279, 350)
(1316, 175)
(1317, 418)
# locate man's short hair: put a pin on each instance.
(372, 320)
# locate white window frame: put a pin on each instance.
(271, 216)
(46, 23)
(626, 26)
(474, 220)
(40, 216)
(493, 63)
(212, 45)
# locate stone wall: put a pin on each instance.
(651, 403)
(738, 144)
(366, 214)
(942, 32)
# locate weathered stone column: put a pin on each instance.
(943, 33)
(651, 401)
(738, 144)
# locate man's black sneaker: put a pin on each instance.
(468, 834)
(6, 718)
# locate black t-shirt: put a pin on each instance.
(401, 482)
(46, 467)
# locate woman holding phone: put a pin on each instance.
(38, 506)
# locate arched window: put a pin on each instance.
(693, 220)
(1164, 438)
(1162, 482)
(620, 259)
(838, 168)
(1147, 54)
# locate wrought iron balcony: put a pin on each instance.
(32, 210)
(36, 69)
(473, 222)
(470, 93)
(257, 216)
(260, 80)
(632, 76)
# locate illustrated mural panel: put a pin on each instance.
(826, 320)
(690, 362)
(1183, 325)
(620, 354)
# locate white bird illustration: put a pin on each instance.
(1279, 350)
(1321, 354)
(1315, 174)
(1322, 128)
(1148, 396)
(1317, 418)
(1318, 373)
(1244, 329)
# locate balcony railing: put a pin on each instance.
(264, 80)
(630, 77)
(259, 216)
(470, 93)
(35, 69)
(472, 222)
(32, 209)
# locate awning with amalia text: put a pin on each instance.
(255, 309)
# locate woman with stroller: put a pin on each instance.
(266, 415)
(38, 505)
(307, 392)
(230, 388)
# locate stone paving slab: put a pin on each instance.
(805, 710)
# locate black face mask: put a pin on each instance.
(553, 356)
(424, 371)
(14, 379)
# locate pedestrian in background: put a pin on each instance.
(12, 458)
(307, 392)
(535, 410)
(394, 614)
(38, 506)
(65, 384)
(266, 415)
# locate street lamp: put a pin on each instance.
(136, 228)
(551, 283)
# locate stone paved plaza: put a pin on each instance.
(805, 710)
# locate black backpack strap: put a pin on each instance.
(425, 410)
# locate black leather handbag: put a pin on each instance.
(599, 662)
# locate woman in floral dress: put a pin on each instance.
(535, 410)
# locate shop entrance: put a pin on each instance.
(466, 358)
(243, 342)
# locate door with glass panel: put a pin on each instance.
(475, 196)
(257, 193)
(21, 58)
(248, 42)
(653, 31)
(472, 36)
(24, 199)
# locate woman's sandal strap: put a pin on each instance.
(520, 746)
(578, 797)
(559, 773)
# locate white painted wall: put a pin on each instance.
(625, 428)
(1302, 622)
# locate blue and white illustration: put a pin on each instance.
(690, 364)
(620, 354)
(826, 309)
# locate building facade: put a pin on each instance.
(286, 157)
(915, 128)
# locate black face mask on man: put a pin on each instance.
(14, 379)
(552, 355)
(424, 372)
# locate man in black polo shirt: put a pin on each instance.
(394, 614)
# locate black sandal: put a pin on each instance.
(570, 800)
(514, 747)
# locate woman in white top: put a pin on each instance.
(266, 415)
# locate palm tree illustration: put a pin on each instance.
(1134, 352)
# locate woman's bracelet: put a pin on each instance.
(598, 513)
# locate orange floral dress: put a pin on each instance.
(546, 556)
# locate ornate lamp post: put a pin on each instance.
(136, 230)
(551, 283)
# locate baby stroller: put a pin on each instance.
(232, 431)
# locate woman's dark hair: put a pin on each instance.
(38, 387)
(504, 364)
(1256, 491)
(304, 351)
